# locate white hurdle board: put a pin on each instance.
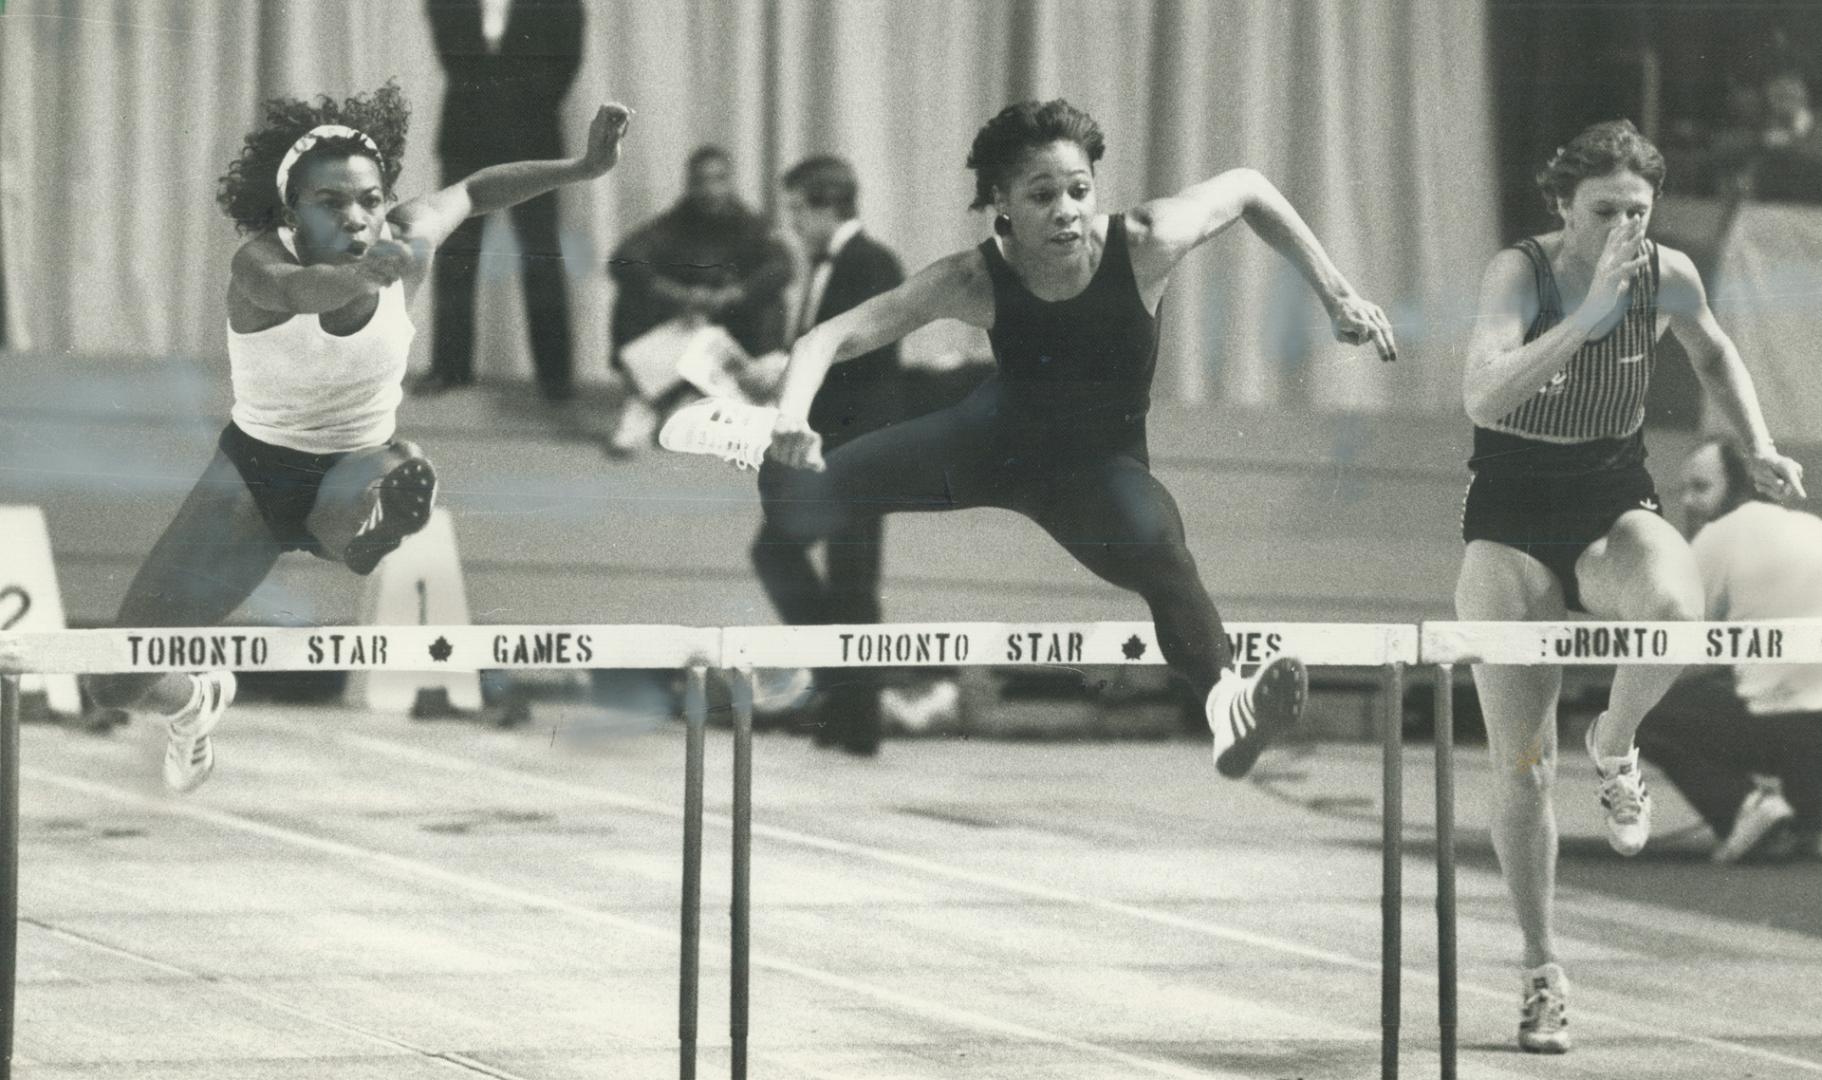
(983, 644)
(1594, 642)
(360, 648)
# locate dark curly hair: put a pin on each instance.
(1600, 150)
(249, 191)
(1003, 141)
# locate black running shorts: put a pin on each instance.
(284, 484)
(1553, 519)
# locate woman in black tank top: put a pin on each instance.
(1562, 513)
(1069, 298)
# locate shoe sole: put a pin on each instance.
(683, 431)
(674, 434)
(407, 494)
(1278, 697)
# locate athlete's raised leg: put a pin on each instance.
(370, 501)
(1118, 520)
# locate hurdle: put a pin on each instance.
(1581, 643)
(695, 650)
(738, 651)
(1388, 647)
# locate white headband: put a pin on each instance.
(310, 138)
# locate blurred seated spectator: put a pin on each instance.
(1731, 738)
(699, 295)
(1733, 147)
(1789, 165)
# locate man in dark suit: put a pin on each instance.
(847, 267)
(509, 65)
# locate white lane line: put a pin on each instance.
(414, 868)
(930, 867)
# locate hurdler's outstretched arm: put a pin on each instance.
(431, 218)
(1161, 232)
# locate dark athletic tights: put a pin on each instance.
(1105, 508)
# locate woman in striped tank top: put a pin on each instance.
(1562, 514)
(318, 333)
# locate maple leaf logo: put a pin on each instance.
(1134, 647)
(440, 649)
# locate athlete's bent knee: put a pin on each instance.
(1671, 604)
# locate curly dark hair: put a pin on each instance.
(1003, 141)
(249, 191)
(1600, 150)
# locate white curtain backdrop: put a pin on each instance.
(1372, 115)
(1764, 295)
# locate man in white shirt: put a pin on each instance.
(1722, 735)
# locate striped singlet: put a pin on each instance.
(1589, 417)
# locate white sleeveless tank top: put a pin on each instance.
(298, 386)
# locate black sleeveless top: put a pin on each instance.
(1075, 374)
(1590, 416)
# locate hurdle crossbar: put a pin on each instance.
(1595, 642)
(1050, 644)
(358, 648)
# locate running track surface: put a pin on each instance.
(356, 896)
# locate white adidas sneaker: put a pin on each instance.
(1247, 714)
(1543, 1018)
(189, 754)
(1623, 796)
(730, 430)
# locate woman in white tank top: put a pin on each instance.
(1562, 512)
(317, 339)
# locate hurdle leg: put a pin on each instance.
(740, 909)
(696, 719)
(1391, 951)
(9, 865)
(1445, 865)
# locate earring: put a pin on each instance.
(1002, 225)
